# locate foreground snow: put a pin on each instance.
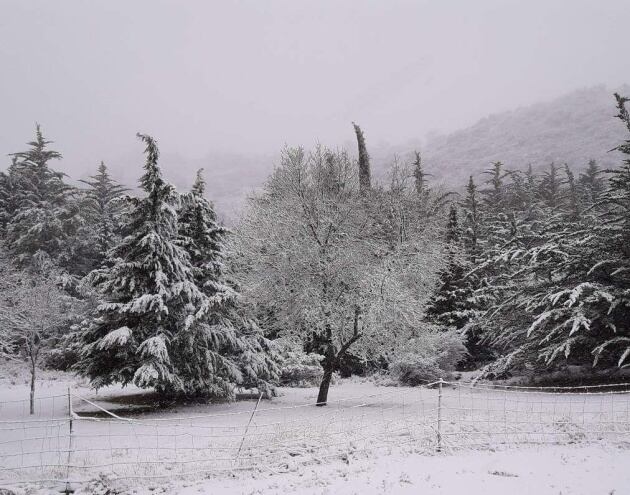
(369, 439)
(549, 470)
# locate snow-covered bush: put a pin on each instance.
(413, 370)
(298, 368)
(430, 356)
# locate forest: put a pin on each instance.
(327, 272)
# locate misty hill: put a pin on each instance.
(571, 129)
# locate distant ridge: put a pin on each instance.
(572, 129)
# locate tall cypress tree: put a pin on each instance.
(472, 219)
(420, 176)
(365, 180)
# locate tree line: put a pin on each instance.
(522, 272)
(539, 270)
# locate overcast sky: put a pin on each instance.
(249, 76)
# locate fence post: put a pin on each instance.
(439, 417)
(247, 427)
(68, 488)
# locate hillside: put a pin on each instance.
(571, 129)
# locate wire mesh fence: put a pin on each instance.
(57, 445)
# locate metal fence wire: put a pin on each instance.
(57, 445)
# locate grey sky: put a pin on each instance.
(249, 76)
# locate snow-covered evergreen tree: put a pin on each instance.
(102, 206)
(568, 300)
(203, 238)
(45, 214)
(157, 327)
(591, 183)
(9, 191)
(449, 304)
(420, 177)
(550, 186)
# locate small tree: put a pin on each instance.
(32, 310)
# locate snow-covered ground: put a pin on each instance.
(549, 470)
(369, 439)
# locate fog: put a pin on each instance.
(247, 77)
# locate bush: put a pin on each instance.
(430, 356)
(298, 368)
(413, 370)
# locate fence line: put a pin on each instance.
(441, 416)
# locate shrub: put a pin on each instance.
(298, 368)
(430, 356)
(413, 370)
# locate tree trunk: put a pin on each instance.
(322, 397)
(32, 388)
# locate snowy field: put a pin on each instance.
(384, 439)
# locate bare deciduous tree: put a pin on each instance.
(316, 252)
(32, 309)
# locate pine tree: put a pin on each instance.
(591, 183)
(572, 305)
(9, 189)
(550, 187)
(449, 305)
(499, 220)
(420, 177)
(572, 195)
(45, 214)
(102, 207)
(460, 296)
(204, 240)
(158, 328)
(494, 194)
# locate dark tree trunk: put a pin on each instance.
(322, 397)
(330, 365)
(332, 357)
(33, 387)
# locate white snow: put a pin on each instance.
(549, 470)
(369, 439)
